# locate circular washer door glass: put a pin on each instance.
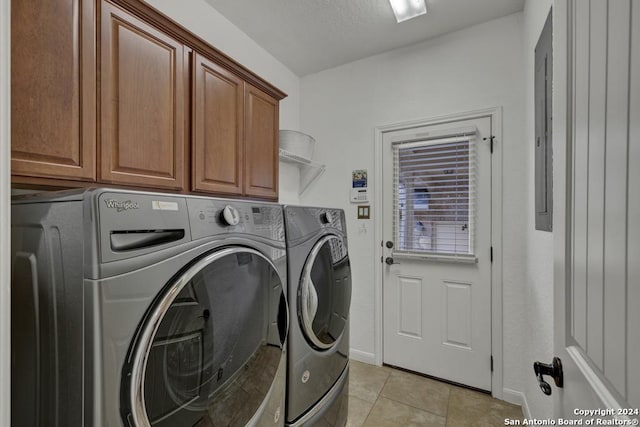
(324, 294)
(211, 348)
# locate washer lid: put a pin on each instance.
(216, 330)
(324, 294)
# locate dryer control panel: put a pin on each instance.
(133, 224)
(303, 221)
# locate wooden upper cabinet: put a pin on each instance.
(218, 110)
(53, 99)
(142, 103)
(114, 92)
(261, 144)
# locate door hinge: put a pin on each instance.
(381, 259)
(491, 254)
(491, 363)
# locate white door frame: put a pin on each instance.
(5, 203)
(496, 231)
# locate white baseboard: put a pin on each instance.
(362, 356)
(517, 398)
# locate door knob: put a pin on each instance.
(554, 370)
(389, 261)
(389, 244)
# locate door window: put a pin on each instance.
(212, 345)
(434, 192)
(325, 293)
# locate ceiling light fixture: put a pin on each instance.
(407, 9)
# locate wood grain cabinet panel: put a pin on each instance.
(53, 99)
(142, 103)
(261, 144)
(114, 92)
(217, 150)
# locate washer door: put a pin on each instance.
(324, 294)
(211, 347)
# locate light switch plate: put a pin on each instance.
(364, 212)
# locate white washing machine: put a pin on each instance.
(319, 300)
(142, 309)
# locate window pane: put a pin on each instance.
(434, 194)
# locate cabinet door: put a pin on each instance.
(53, 78)
(261, 144)
(217, 129)
(142, 101)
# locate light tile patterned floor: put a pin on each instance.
(381, 397)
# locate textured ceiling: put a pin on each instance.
(313, 35)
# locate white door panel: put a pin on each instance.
(437, 295)
(597, 184)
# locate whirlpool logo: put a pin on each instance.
(120, 205)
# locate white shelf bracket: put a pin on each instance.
(309, 171)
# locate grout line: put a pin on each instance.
(446, 419)
(385, 384)
(370, 410)
(451, 389)
(419, 409)
(407, 404)
(378, 394)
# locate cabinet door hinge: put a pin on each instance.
(491, 363)
(491, 254)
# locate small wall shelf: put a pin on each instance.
(309, 170)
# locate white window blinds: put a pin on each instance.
(434, 196)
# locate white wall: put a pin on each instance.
(5, 190)
(472, 69)
(538, 312)
(203, 20)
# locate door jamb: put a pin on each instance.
(495, 114)
(5, 211)
(562, 170)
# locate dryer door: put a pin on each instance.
(324, 294)
(210, 351)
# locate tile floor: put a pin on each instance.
(381, 397)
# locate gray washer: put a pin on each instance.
(319, 300)
(133, 308)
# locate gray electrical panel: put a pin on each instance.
(543, 140)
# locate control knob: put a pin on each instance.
(230, 215)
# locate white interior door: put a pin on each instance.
(597, 185)
(437, 231)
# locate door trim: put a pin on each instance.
(561, 131)
(495, 114)
(5, 212)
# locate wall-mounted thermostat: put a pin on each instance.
(359, 195)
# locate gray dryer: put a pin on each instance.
(319, 300)
(139, 309)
